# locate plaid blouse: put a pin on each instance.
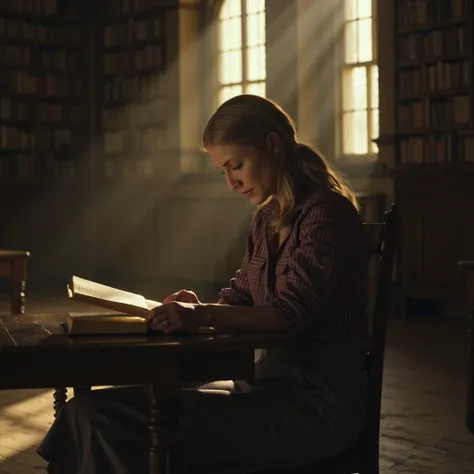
(317, 281)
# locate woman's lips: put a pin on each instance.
(248, 193)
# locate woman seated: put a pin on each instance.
(304, 272)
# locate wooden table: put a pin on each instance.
(13, 265)
(35, 352)
(469, 267)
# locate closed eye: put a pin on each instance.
(236, 167)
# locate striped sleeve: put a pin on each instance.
(238, 291)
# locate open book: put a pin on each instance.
(125, 313)
(88, 291)
(128, 309)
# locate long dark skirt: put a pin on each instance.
(227, 426)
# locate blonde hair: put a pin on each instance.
(248, 120)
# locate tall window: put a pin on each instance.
(242, 57)
(360, 81)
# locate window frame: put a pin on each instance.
(371, 156)
(216, 52)
(209, 76)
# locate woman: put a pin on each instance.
(304, 272)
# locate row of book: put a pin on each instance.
(133, 31)
(24, 82)
(144, 87)
(37, 7)
(41, 137)
(137, 168)
(28, 30)
(147, 57)
(128, 7)
(448, 41)
(134, 114)
(434, 113)
(436, 148)
(434, 77)
(413, 12)
(37, 59)
(17, 110)
(53, 7)
(31, 166)
(131, 141)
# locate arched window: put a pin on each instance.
(241, 50)
(360, 81)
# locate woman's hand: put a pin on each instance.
(184, 296)
(174, 316)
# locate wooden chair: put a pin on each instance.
(13, 265)
(363, 457)
(468, 266)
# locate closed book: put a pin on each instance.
(104, 323)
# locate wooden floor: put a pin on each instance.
(423, 402)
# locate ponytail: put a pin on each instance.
(315, 167)
(311, 164)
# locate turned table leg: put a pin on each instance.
(18, 297)
(470, 393)
(60, 398)
(18, 286)
(161, 425)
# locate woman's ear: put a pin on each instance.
(273, 143)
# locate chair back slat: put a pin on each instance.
(375, 235)
(383, 238)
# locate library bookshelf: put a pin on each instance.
(84, 107)
(434, 143)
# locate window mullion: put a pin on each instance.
(243, 10)
(374, 31)
(369, 108)
(343, 132)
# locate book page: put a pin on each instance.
(97, 314)
(97, 291)
(152, 304)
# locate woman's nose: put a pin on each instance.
(233, 183)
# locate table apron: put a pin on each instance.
(48, 369)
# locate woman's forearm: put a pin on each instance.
(245, 318)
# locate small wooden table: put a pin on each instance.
(35, 352)
(469, 267)
(13, 265)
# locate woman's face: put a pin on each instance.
(250, 171)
